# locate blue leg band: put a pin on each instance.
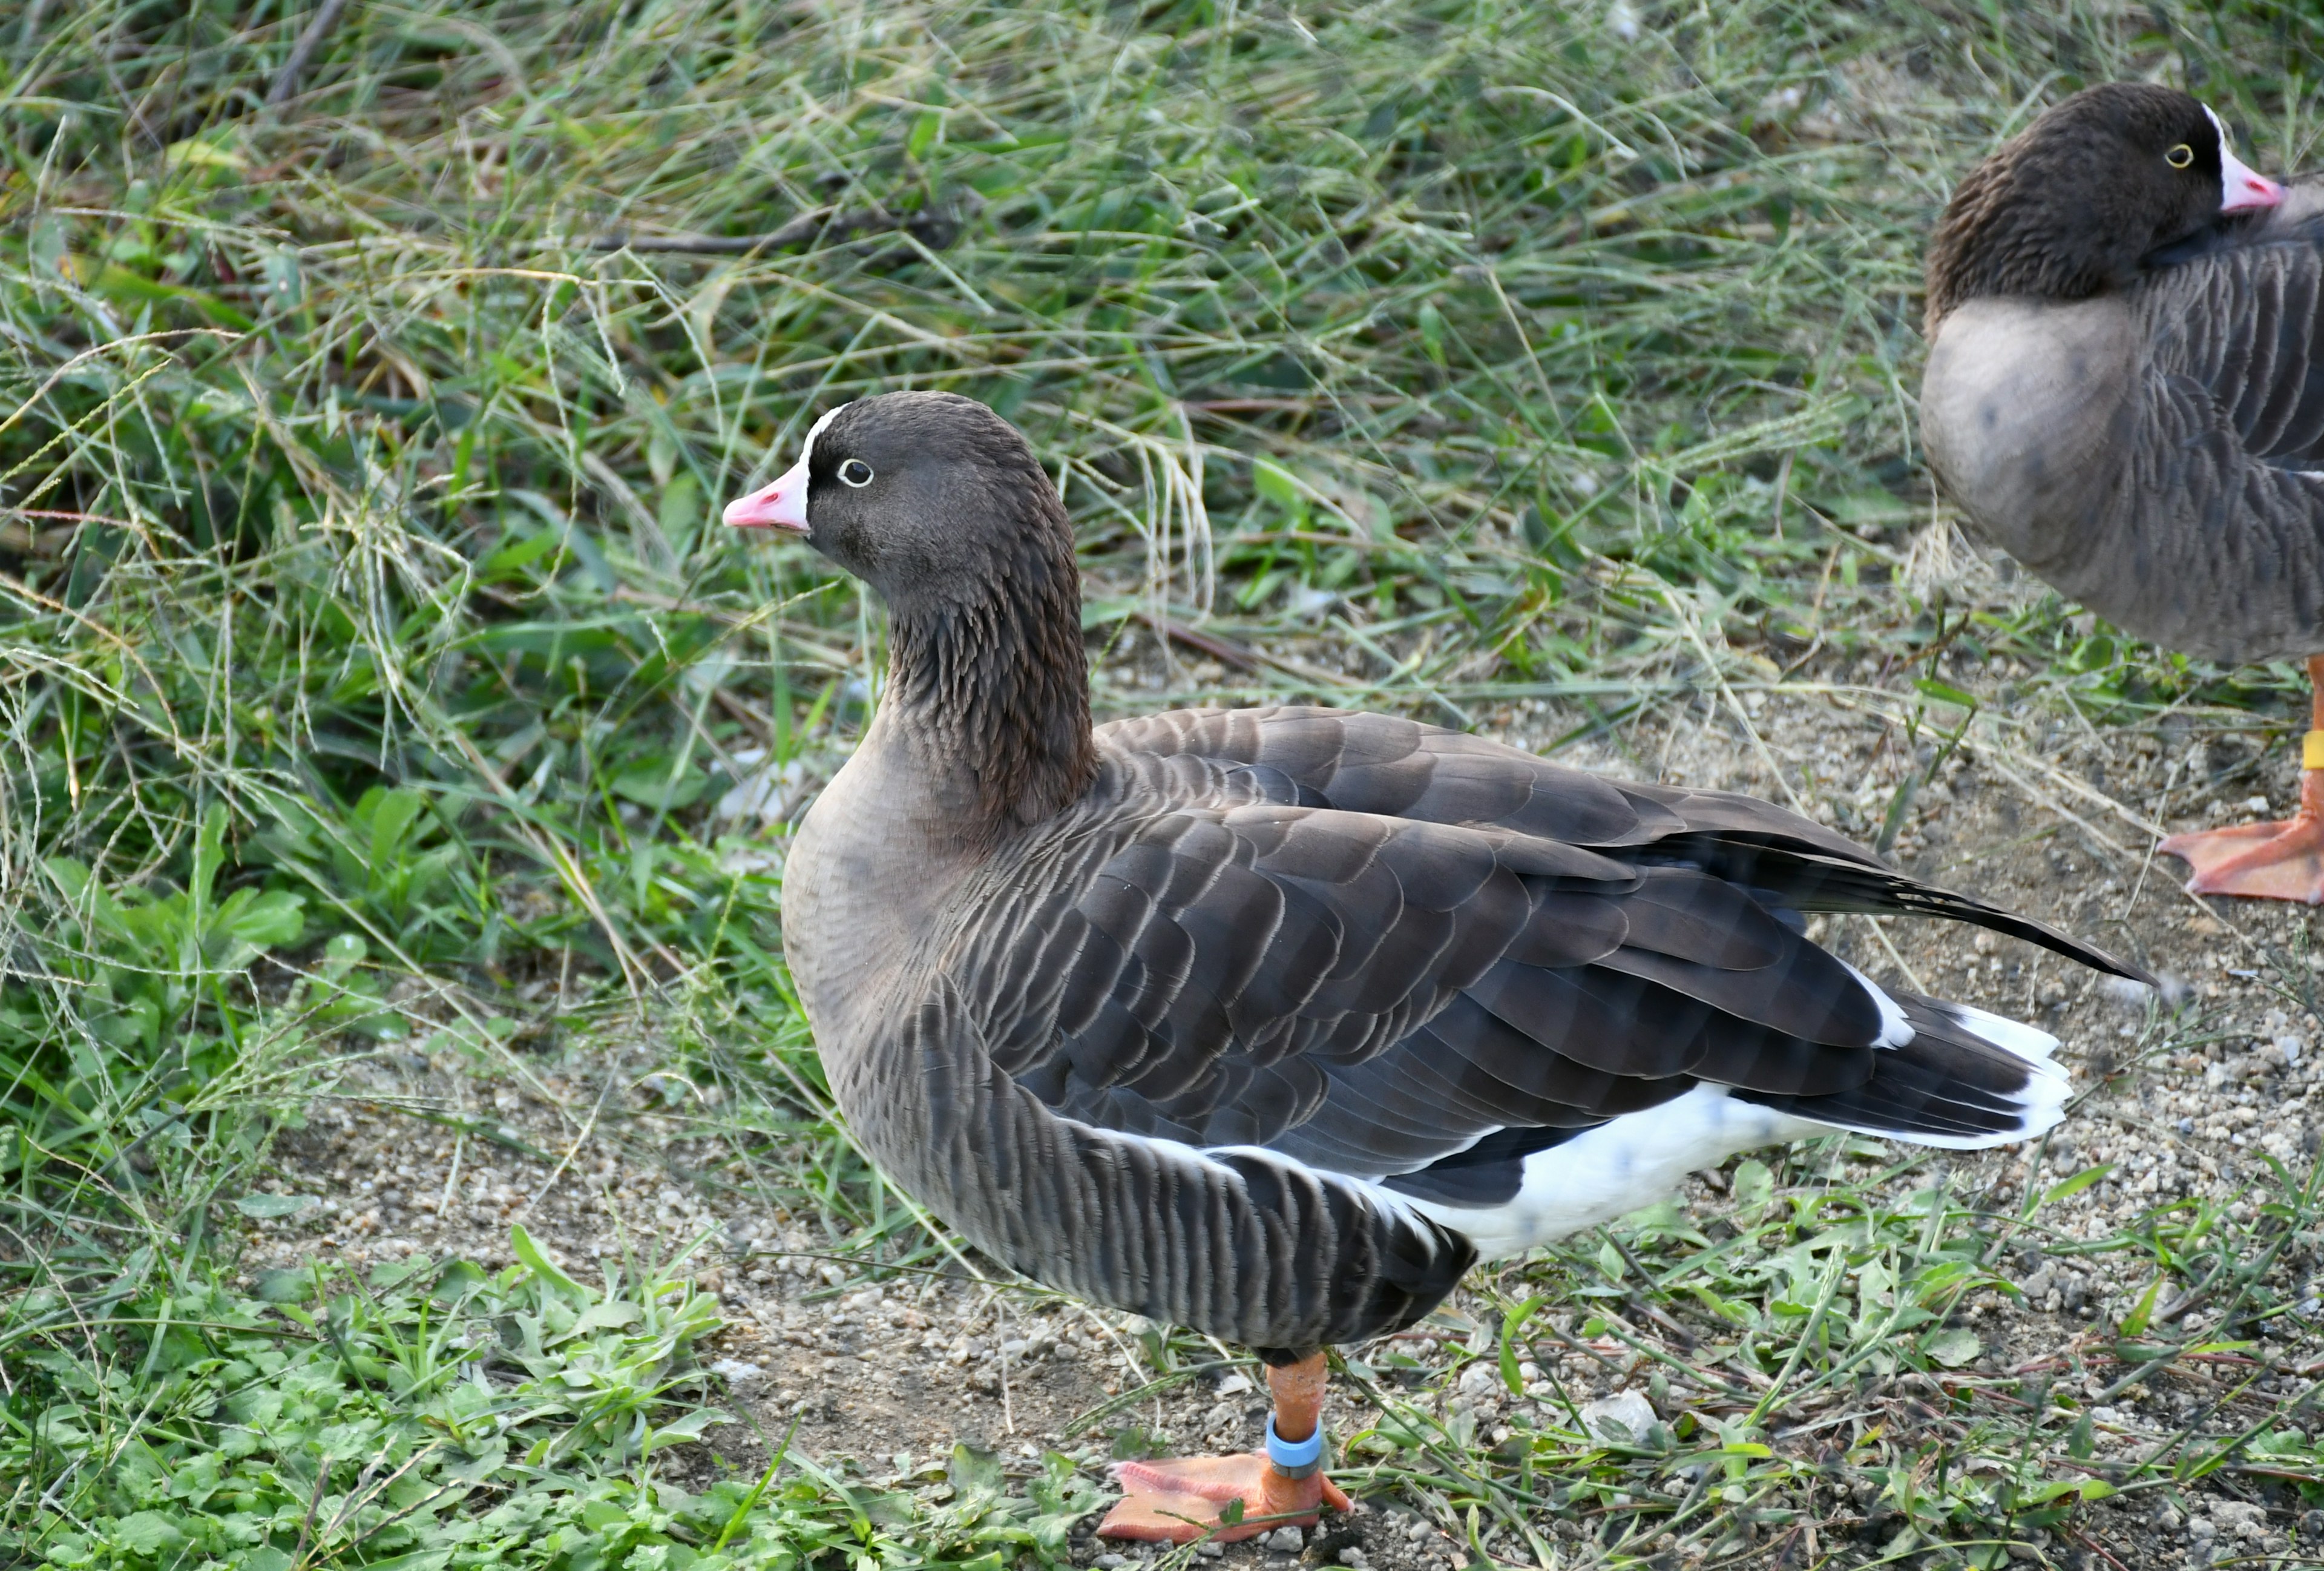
(1294, 1458)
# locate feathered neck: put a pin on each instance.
(993, 684)
(1999, 239)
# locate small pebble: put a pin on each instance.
(1480, 1379)
(1622, 1419)
(1352, 1556)
(1109, 1563)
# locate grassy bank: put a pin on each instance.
(374, 680)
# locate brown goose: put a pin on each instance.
(2125, 391)
(1270, 1021)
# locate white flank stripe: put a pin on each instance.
(1613, 1170)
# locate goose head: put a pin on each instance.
(930, 498)
(939, 505)
(2078, 202)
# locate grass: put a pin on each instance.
(368, 648)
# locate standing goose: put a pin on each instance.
(2125, 391)
(1271, 1021)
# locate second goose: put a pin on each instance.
(2126, 392)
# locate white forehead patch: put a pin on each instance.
(806, 455)
(807, 449)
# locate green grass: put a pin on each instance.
(368, 647)
(427, 1416)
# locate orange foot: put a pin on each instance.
(1179, 1501)
(2279, 861)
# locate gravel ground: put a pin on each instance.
(893, 1376)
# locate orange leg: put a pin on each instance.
(1179, 1501)
(2277, 861)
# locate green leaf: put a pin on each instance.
(284, 288)
(601, 1516)
(521, 1246)
(1277, 486)
(459, 1278)
(148, 1533)
(649, 786)
(1953, 1348)
(2143, 1310)
(272, 1207)
(1432, 332)
(210, 851)
(976, 1472)
(1944, 692)
(254, 921)
(1755, 1184)
(284, 1287)
(688, 1427)
(71, 877)
(2076, 1183)
(1511, 1324)
(342, 953)
(681, 506)
(924, 134)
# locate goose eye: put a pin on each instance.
(857, 473)
(2179, 157)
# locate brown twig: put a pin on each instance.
(2193, 1297)
(1241, 656)
(1224, 651)
(933, 227)
(2094, 1547)
(303, 52)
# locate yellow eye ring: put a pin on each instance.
(2179, 157)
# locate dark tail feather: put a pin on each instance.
(1967, 1079)
(1810, 883)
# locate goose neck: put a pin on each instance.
(990, 691)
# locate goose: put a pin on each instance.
(1271, 1021)
(2125, 391)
